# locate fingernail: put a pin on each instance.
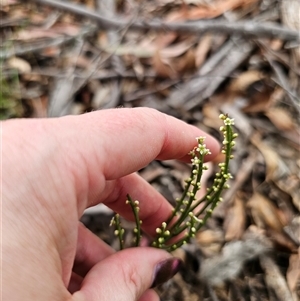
(165, 270)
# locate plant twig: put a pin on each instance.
(135, 209)
(18, 50)
(184, 223)
(119, 232)
(248, 28)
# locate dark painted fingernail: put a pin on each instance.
(165, 270)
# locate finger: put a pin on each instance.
(90, 250)
(128, 139)
(154, 208)
(150, 295)
(75, 283)
(115, 143)
(127, 275)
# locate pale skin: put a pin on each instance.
(52, 170)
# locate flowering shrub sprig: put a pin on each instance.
(189, 213)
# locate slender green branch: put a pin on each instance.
(187, 218)
(135, 209)
(119, 232)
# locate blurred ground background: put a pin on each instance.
(192, 59)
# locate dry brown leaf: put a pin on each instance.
(77, 108)
(139, 69)
(244, 80)
(67, 29)
(201, 2)
(162, 69)
(203, 49)
(17, 12)
(7, 2)
(161, 41)
(208, 237)
(264, 212)
(217, 9)
(129, 85)
(276, 44)
(186, 63)
(176, 49)
(210, 241)
(293, 272)
(271, 158)
(277, 96)
(40, 107)
(102, 39)
(90, 4)
(282, 241)
(211, 114)
(35, 33)
(20, 64)
(7, 6)
(35, 77)
(274, 279)
(180, 14)
(79, 61)
(291, 185)
(261, 104)
(101, 95)
(235, 220)
(51, 51)
(280, 118)
(292, 229)
(180, 253)
(53, 32)
(278, 171)
(38, 19)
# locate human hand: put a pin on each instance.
(52, 170)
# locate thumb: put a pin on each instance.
(127, 275)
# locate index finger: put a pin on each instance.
(114, 143)
(122, 141)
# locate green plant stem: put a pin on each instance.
(135, 210)
(119, 232)
(184, 223)
(187, 209)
